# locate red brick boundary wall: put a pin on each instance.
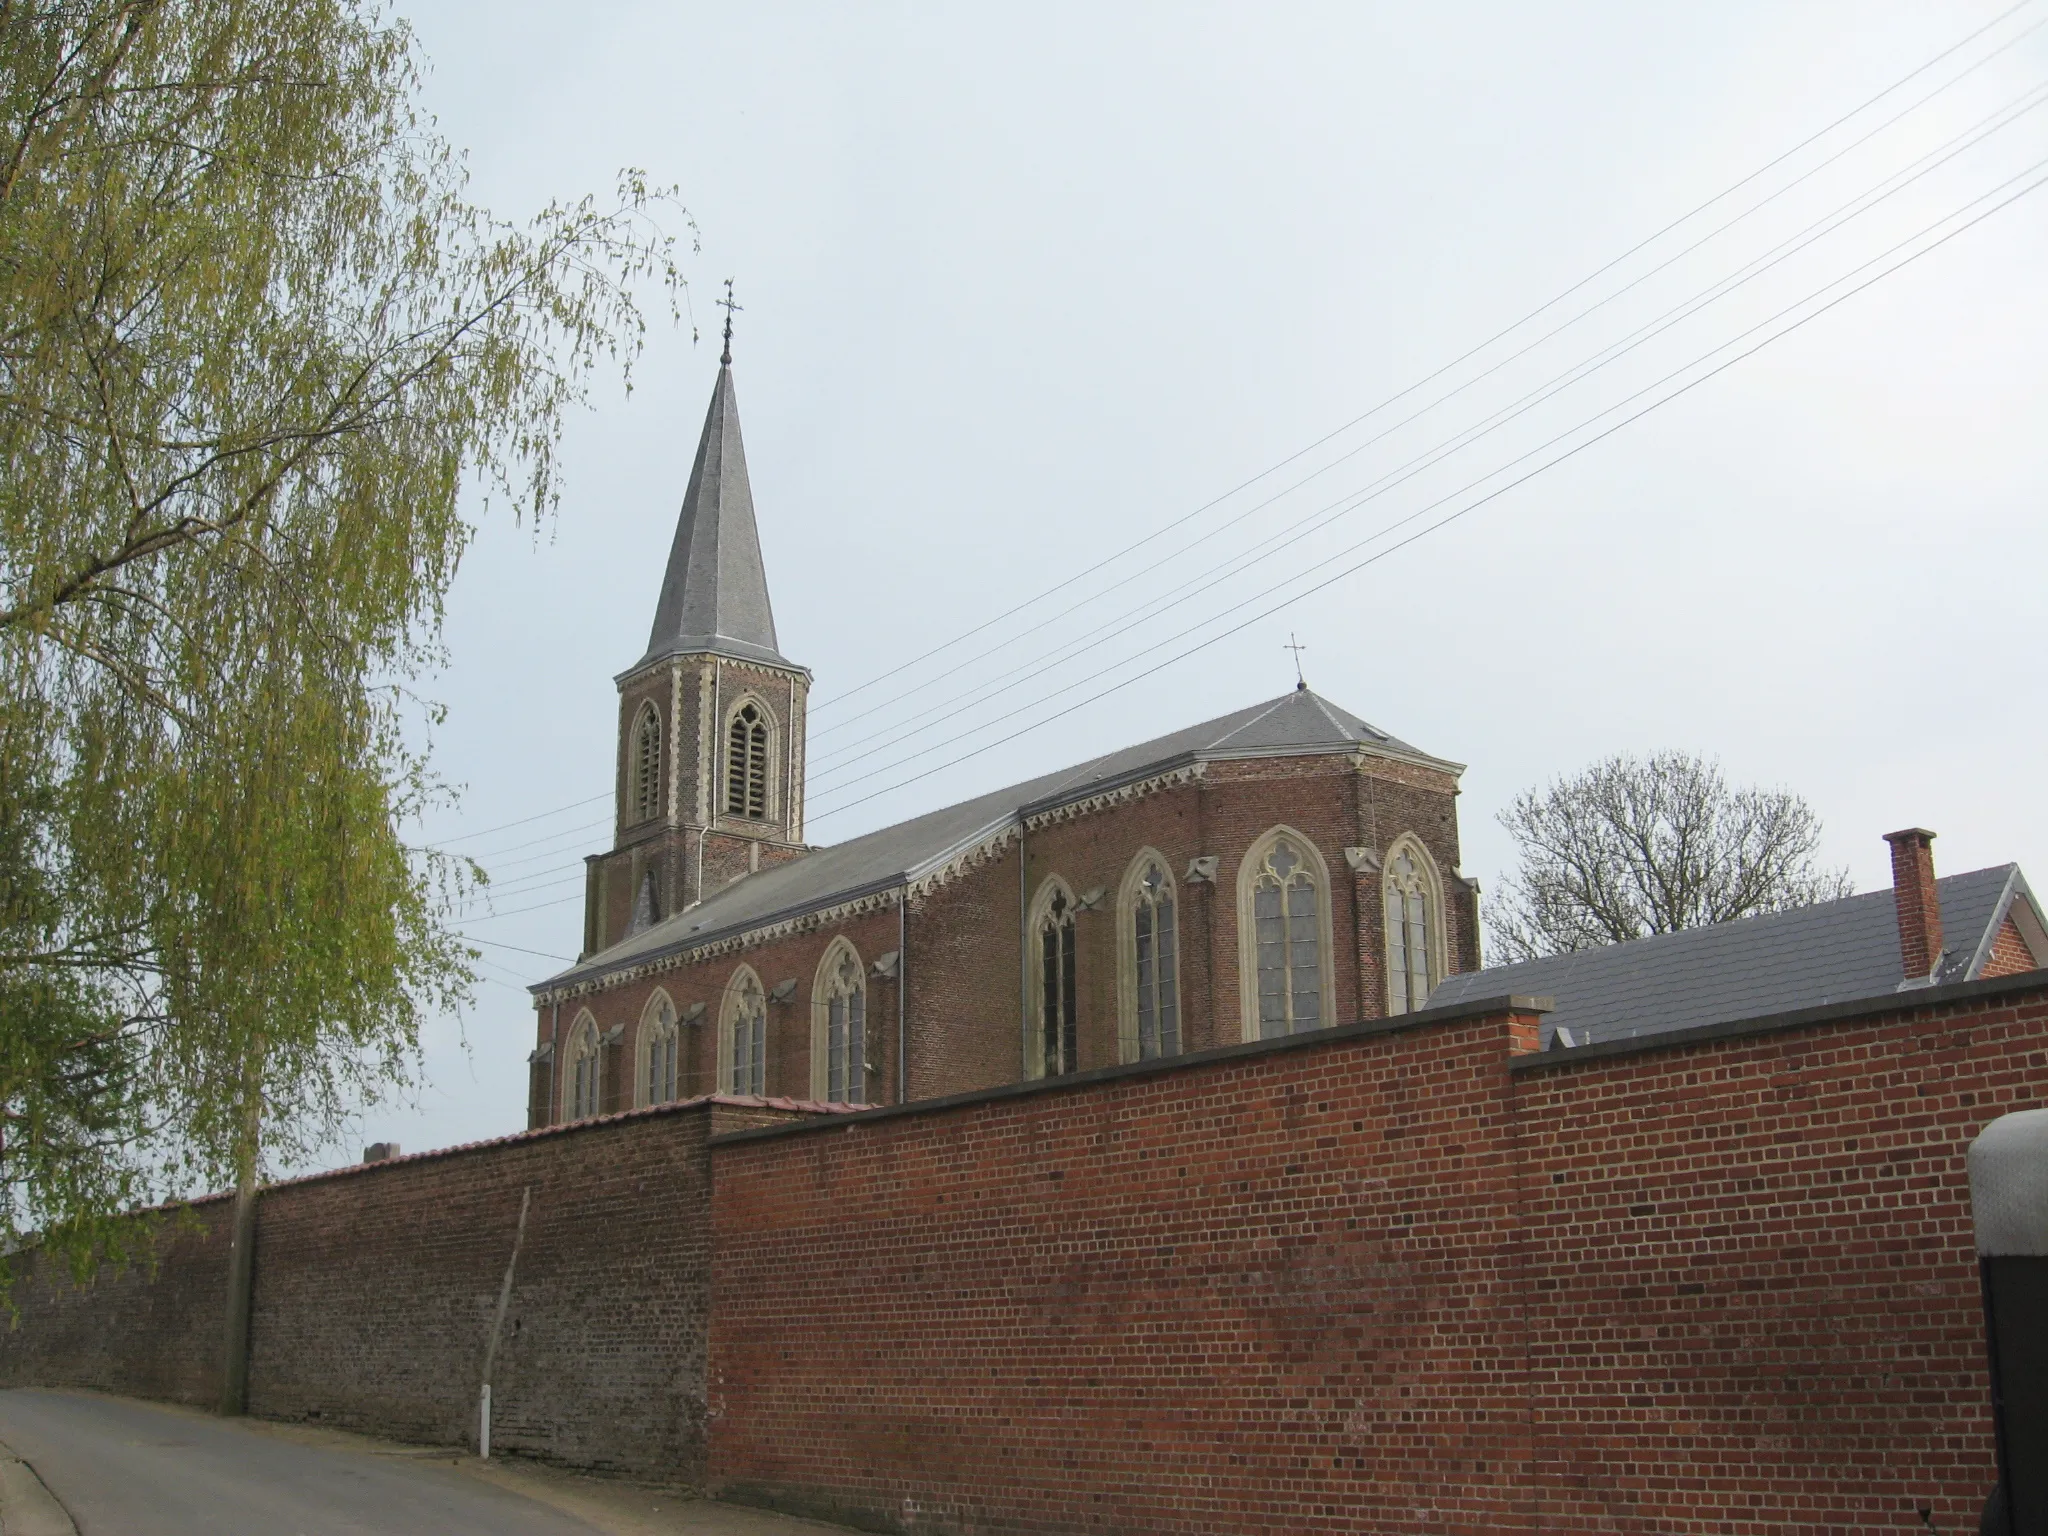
(1401, 1277)
(375, 1290)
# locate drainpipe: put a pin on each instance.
(1023, 959)
(902, 981)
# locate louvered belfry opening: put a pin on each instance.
(746, 764)
(647, 767)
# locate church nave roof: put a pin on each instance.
(1298, 723)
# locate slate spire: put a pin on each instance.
(714, 596)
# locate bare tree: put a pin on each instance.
(1635, 846)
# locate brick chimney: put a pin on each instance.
(1918, 903)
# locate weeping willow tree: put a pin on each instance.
(257, 349)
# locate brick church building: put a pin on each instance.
(1282, 868)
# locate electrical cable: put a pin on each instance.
(826, 731)
(1323, 517)
(1854, 112)
(1492, 495)
(1764, 169)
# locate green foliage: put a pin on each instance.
(254, 345)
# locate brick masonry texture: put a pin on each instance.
(963, 1017)
(1401, 1277)
(2009, 952)
(1391, 1281)
(146, 1331)
(376, 1287)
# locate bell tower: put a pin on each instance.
(711, 718)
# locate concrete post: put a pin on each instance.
(2009, 1203)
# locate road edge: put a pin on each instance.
(27, 1507)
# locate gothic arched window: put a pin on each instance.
(647, 765)
(1284, 924)
(1414, 926)
(746, 762)
(1149, 955)
(659, 1042)
(581, 1071)
(743, 1036)
(839, 1011)
(1055, 1048)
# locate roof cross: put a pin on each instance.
(730, 308)
(1300, 678)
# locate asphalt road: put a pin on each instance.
(136, 1469)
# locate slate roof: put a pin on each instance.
(714, 595)
(1299, 723)
(1837, 951)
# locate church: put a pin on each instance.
(1282, 868)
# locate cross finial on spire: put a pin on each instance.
(1300, 678)
(730, 308)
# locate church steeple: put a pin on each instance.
(711, 718)
(714, 597)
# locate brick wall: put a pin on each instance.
(1275, 1291)
(376, 1287)
(1753, 1284)
(963, 1019)
(2010, 953)
(1390, 1281)
(144, 1331)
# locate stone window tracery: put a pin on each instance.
(743, 1039)
(1149, 945)
(1414, 925)
(659, 1053)
(1055, 1045)
(841, 1001)
(746, 762)
(1284, 923)
(582, 1072)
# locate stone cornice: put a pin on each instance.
(915, 887)
(1116, 794)
(726, 944)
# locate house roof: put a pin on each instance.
(1833, 952)
(714, 595)
(1299, 723)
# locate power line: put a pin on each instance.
(1463, 357)
(539, 954)
(467, 837)
(1275, 543)
(492, 917)
(832, 728)
(1548, 304)
(1498, 491)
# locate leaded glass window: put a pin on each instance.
(1411, 935)
(1056, 997)
(662, 1041)
(746, 763)
(1287, 919)
(1155, 948)
(583, 1072)
(846, 1020)
(747, 1038)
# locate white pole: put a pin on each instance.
(484, 1439)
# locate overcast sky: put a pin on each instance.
(1025, 285)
